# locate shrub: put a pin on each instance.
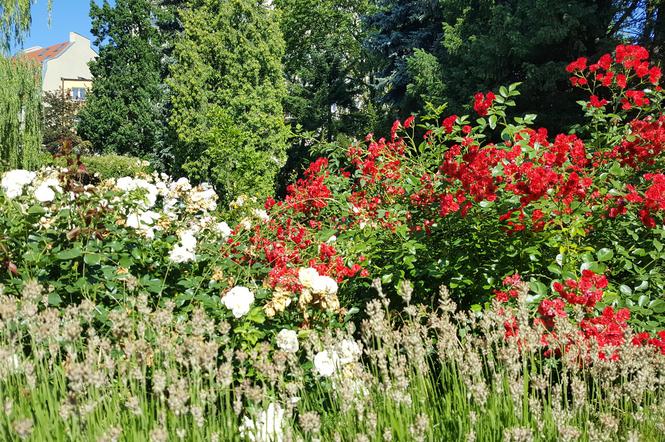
(105, 166)
(469, 205)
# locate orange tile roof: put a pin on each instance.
(45, 54)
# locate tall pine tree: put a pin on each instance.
(227, 94)
(125, 110)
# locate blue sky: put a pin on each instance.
(66, 16)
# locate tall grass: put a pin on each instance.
(152, 374)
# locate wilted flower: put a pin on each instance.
(287, 340)
(239, 300)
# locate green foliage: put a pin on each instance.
(124, 112)
(325, 65)
(227, 93)
(426, 82)
(445, 51)
(396, 29)
(15, 20)
(105, 166)
(60, 119)
(20, 113)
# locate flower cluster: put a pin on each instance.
(586, 292)
(482, 102)
(328, 362)
(44, 186)
(239, 300)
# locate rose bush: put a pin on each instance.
(456, 200)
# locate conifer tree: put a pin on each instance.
(125, 109)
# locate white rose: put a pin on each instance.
(266, 426)
(325, 363)
(239, 300)
(331, 285)
(318, 286)
(133, 221)
(262, 215)
(287, 340)
(183, 184)
(149, 217)
(188, 240)
(44, 194)
(307, 276)
(205, 194)
(181, 254)
(239, 202)
(224, 229)
(246, 224)
(324, 285)
(348, 351)
(125, 184)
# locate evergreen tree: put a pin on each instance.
(328, 74)
(227, 93)
(398, 30)
(642, 21)
(125, 109)
(489, 43)
(469, 46)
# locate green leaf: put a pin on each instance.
(657, 305)
(256, 315)
(605, 254)
(36, 210)
(625, 290)
(643, 286)
(538, 288)
(69, 254)
(54, 299)
(93, 259)
(617, 170)
(492, 121)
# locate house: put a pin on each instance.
(65, 65)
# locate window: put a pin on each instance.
(78, 93)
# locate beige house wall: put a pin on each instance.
(71, 65)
